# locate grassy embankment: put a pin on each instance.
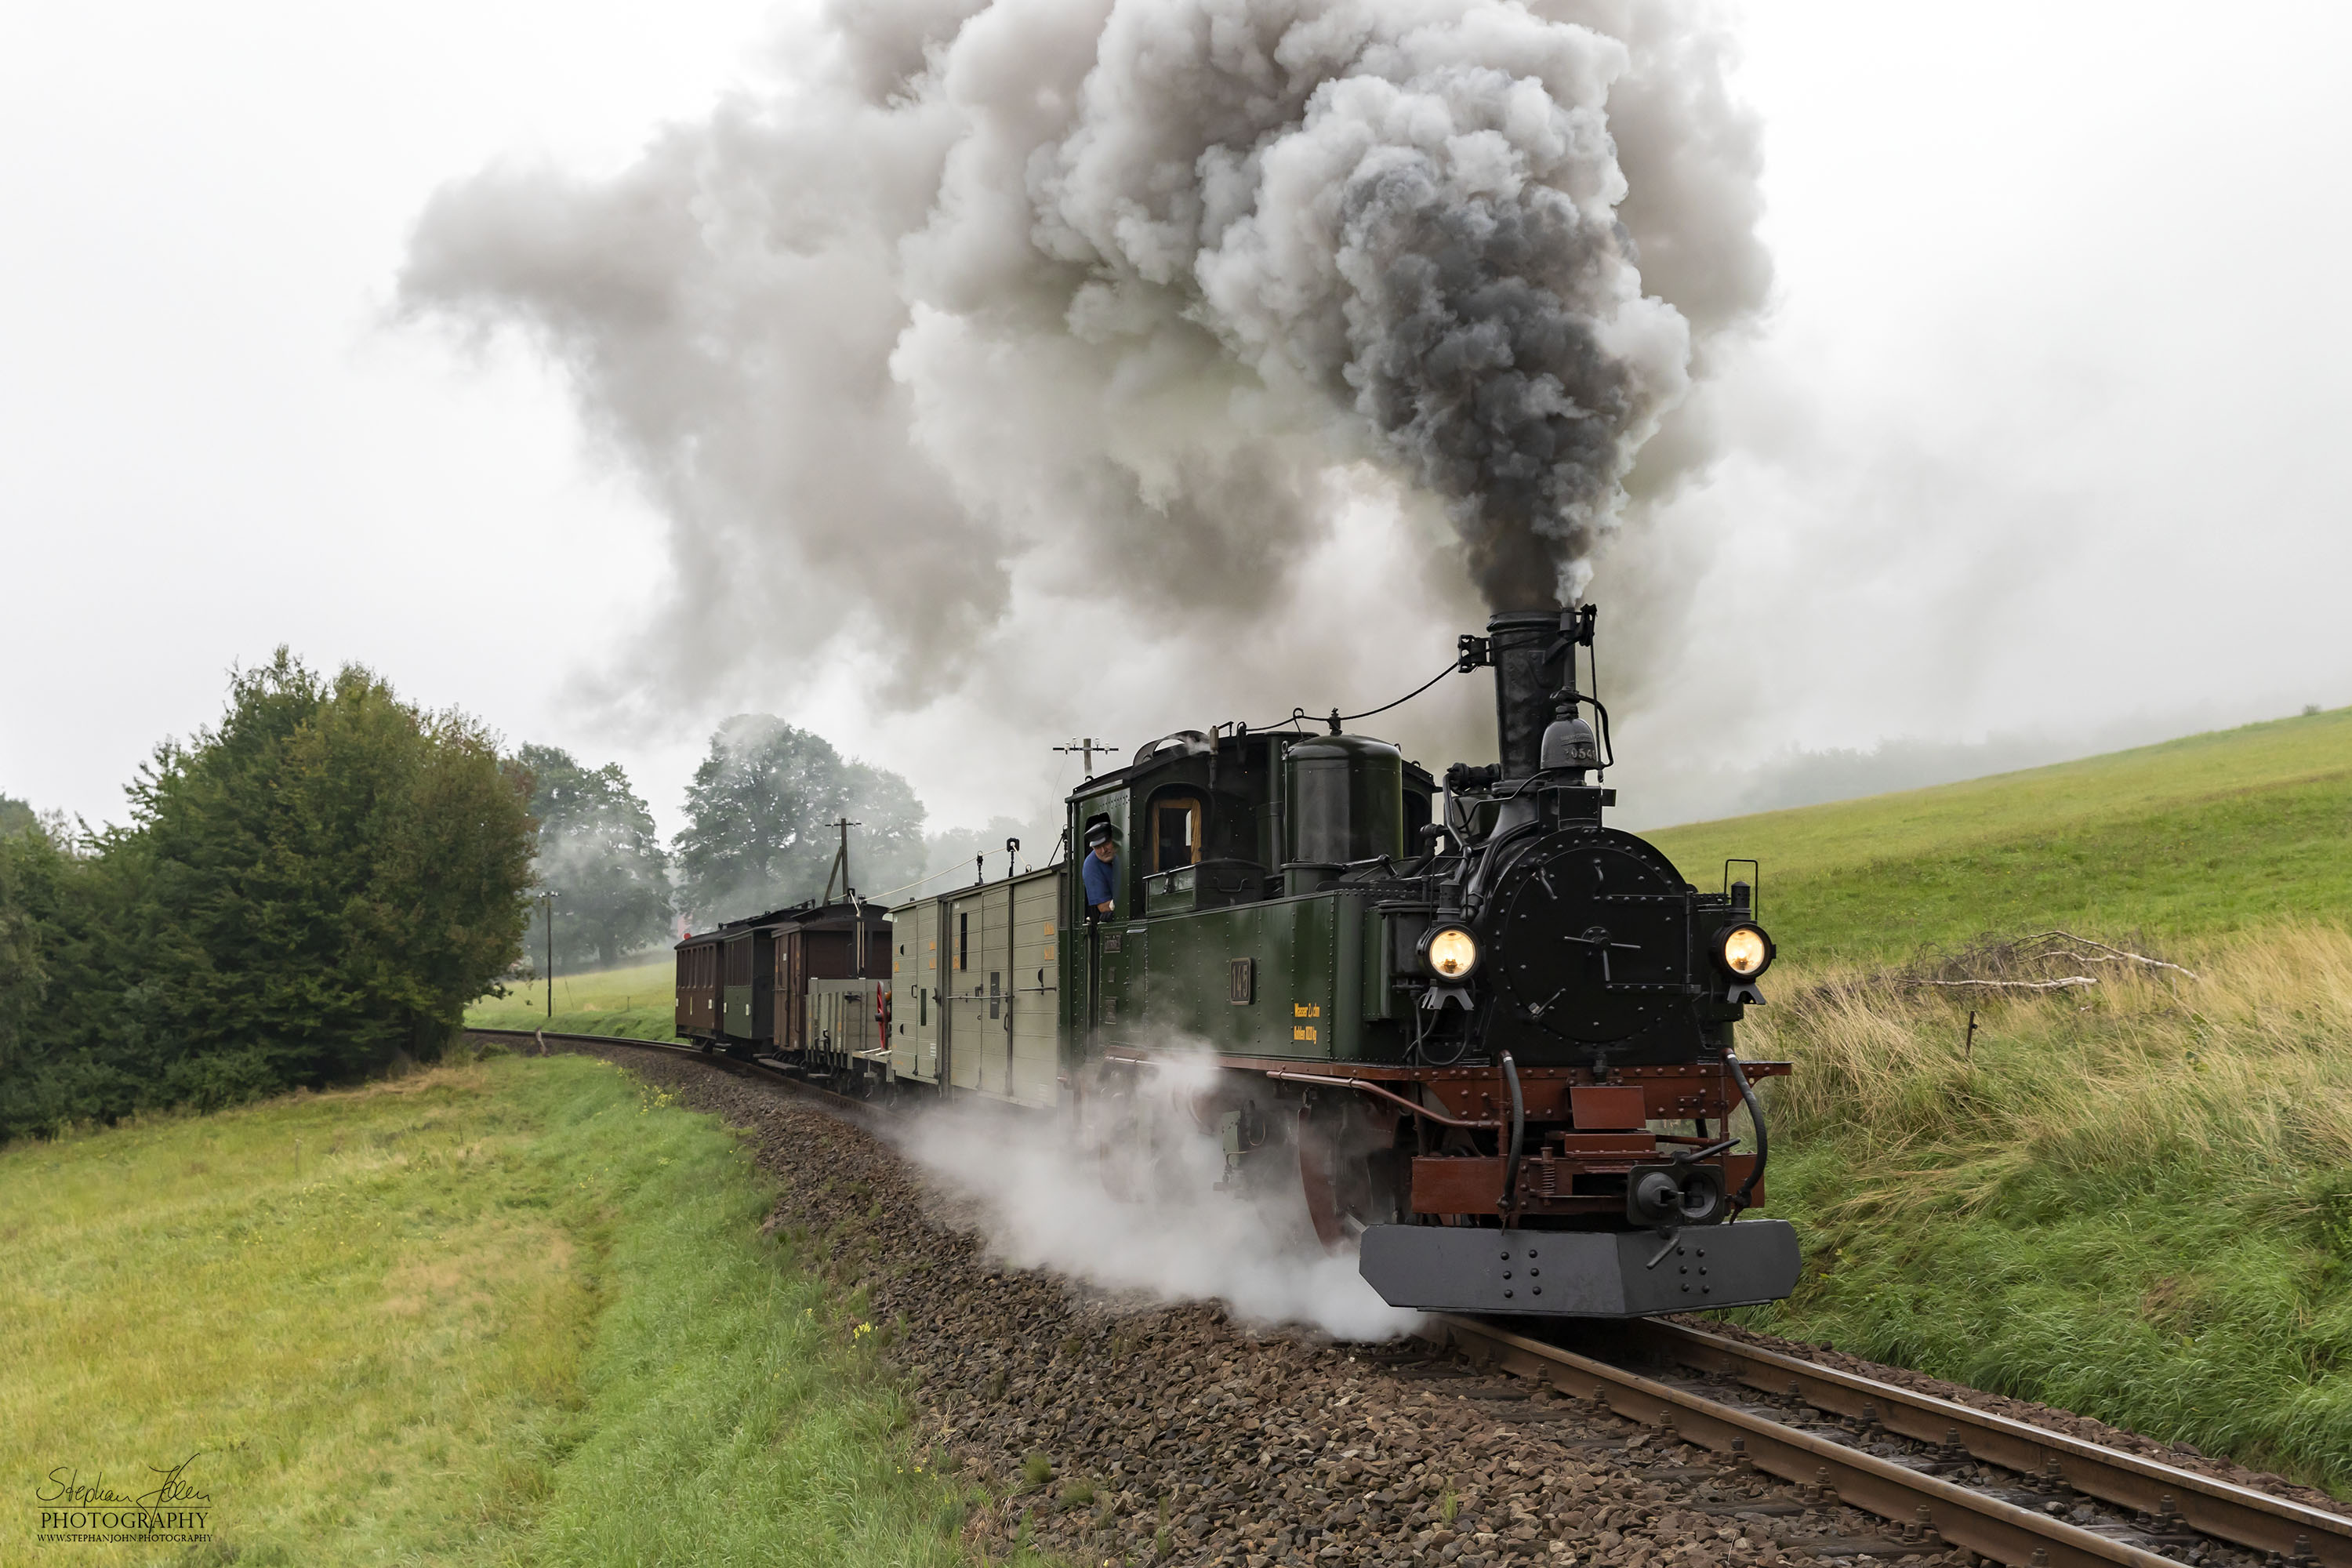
(2132, 1199)
(513, 1312)
(636, 1002)
(2214, 833)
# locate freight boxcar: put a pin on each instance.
(976, 991)
(743, 987)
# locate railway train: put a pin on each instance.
(1485, 1038)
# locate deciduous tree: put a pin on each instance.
(758, 832)
(305, 892)
(598, 849)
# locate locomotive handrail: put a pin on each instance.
(1518, 1137)
(1297, 714)
(1330, 1081)
(1755, 1121)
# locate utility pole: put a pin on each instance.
(840, 859)
(1086, 749)
(548, 898)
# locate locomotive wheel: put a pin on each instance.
(1347, 1175)
(1118, 1161)
(1121, 1136)
(1319, 1178)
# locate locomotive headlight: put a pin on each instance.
(1450, 953)
(1744, 951)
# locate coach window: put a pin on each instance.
(1175, 833)
(964, 940)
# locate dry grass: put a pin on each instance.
(2133, 1197)
(2247, 1061)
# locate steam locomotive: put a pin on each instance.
(1466, 1025)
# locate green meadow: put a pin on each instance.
(635, 1001)
(2215, 833)
(506, 1312)
(2131, 1197)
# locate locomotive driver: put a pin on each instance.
(1101, 870)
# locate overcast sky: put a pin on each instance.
(2046, 433)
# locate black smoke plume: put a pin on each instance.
(986, 319)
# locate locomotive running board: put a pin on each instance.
(1579, 1273)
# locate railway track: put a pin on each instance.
(755, 1066)
(1944, 1475)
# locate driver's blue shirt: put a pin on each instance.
(1102, 876)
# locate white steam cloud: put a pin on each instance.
(985, 317)
(1042, 1202)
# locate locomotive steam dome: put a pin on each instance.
(1569, 743)
(1347, 801)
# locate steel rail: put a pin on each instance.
(1964, 1517)
(2204, 1503)
(1981, 1523)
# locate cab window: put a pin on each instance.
(1175, 833)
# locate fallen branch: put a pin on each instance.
(2014, 984)
(2120, 954)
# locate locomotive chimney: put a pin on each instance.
(1523, 692)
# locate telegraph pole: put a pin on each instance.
(548, 898)
(840, 859)
(1086, 749)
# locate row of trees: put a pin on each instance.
(318, 886)
(759, 835)
(304, 894)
